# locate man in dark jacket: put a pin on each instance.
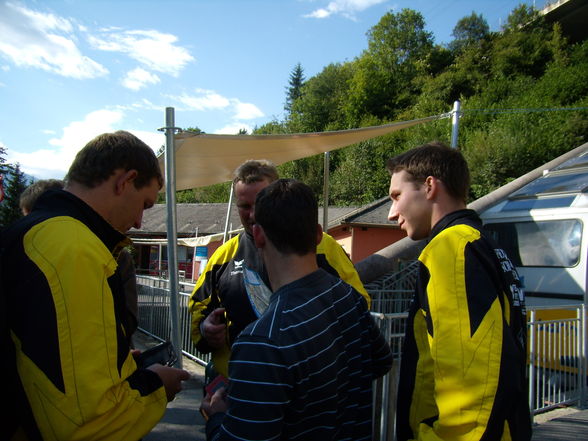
(304, 369)
(71, 372)
(463, 364)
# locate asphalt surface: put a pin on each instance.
(182, 420)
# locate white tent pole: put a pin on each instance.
(172, 231)
(455, 114)
(326, 192)
(228, 214)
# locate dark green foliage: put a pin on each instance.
(469, 31)
(294, 89)
(15, 183)
(404, 75)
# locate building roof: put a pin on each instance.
(191, 218)
(209, 219)
(373, 214)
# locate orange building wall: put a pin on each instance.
(366, 241)
(361, 242)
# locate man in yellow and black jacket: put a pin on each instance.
(219, 305)
(71, 373)
(462, 373)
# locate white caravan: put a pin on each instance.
(543, 228)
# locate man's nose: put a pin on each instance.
(392, 214)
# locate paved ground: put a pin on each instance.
(568, 424)
(183, 422)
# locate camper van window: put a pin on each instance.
(544, 243)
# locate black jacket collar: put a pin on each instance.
(469, 217)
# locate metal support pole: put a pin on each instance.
(455, 114)
(172, 233)
(326, 192)
(532, 360)
(225, 236)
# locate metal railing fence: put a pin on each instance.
(557, 345)
(557, 358)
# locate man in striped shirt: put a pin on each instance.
(304, 369)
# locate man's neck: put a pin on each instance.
(445, 208)
(284, 269)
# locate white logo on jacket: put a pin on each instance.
(238, 268)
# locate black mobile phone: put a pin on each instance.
(163, 353)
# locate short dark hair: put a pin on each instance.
(108, 152)
(30, 194)
(438, 160)
(256, 170)
(288, 212)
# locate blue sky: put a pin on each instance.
(72, 69)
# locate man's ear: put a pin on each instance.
(258, 235)
(124, 179)
(432, 187)
(319, 234)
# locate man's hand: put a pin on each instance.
(215, 403)
(214, 328)
(171, 377)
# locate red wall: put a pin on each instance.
(365, 241)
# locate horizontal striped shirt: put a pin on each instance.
(304, 369)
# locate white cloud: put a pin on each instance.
(209, 100)
(203, 100)
(43, 41)
(54, 160)
(153, 139)
(233, 129)
(246, 110)
(346, 8)
(138, 78)
(153, 49)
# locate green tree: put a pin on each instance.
(520, 17)
(403, 75)
(469, 30)
(216, 193)
(273, 127)
(385, 76)
(9, 207)
(294, 89)
(319, 106)
(3, 166)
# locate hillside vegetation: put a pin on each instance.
(523, 93)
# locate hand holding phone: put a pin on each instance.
(163, 353)
(216, 397)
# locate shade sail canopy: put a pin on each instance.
(203, 159)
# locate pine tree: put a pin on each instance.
(14, 184)
(3, 170)
(295, 87)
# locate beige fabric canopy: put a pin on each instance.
(203, 159)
